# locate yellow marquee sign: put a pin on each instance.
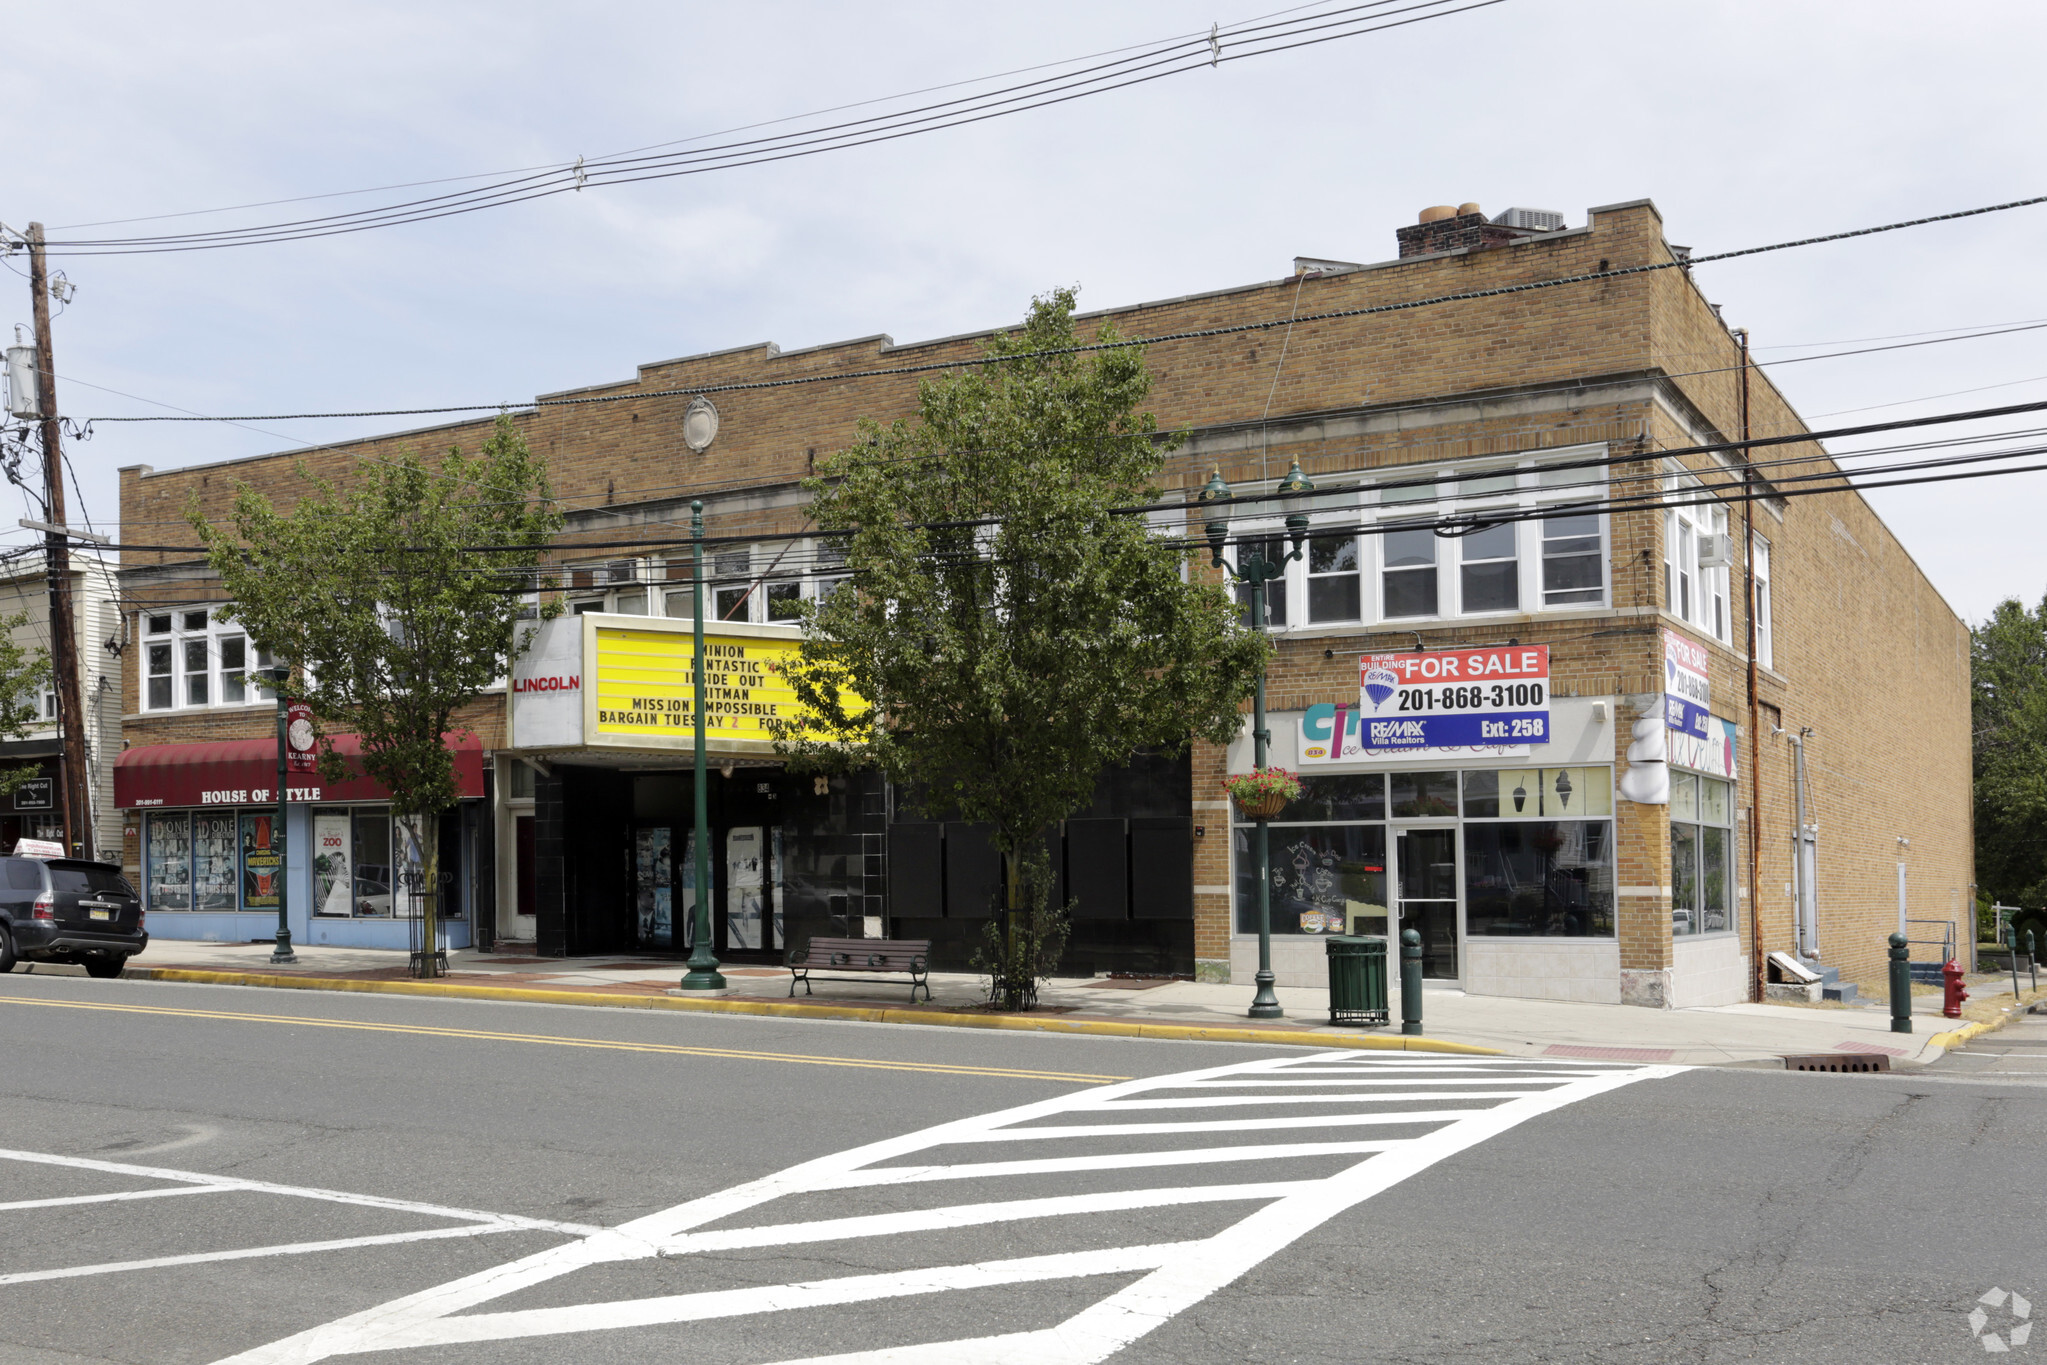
(640, 685)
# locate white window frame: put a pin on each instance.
(187, 642)
(1698, 597)
(1766, 652)
(1522, 486)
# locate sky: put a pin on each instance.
(1747, 123)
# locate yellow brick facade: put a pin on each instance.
(1866, 653)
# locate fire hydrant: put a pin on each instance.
(1955, 991)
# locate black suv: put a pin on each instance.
(68, 910)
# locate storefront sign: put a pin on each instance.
(1452, 698)
(1699, 740)
(1321, 741)
(1687, 689)
(38, 793)
(629, 682)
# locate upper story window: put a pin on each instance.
(1399, 569)
(1766, 653)
(1696, 558)
(191, 660)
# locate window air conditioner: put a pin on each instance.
(1716, 552)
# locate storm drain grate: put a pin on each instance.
(1839, 1061)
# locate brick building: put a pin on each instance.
(1532, 427)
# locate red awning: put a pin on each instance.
(243, 772)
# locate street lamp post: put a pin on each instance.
(282, 954)
(703, 963)
(1254, 569)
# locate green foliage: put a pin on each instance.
(1254, 787)
(380, 600)
(1007, 636)
(2009, 729)
(23, 676)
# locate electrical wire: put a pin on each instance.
(1264, 324)
(1172, 57)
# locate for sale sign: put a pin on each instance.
(1450, 698)
(1687, 687)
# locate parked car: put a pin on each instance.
(68, 910)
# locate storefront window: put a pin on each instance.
(1325, 879)
(1701, 855)
(1547, 877)
(1550, 877)
(167, 860)
(373, 863)
(409, 845)
(262, 861)
(216, 862)
(333, 859)
(1424, 795)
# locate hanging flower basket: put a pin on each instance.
(1263, 793)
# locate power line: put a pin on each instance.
(1196, 334)
(676, 142)
(1173, 57)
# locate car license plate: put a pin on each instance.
(102, 914)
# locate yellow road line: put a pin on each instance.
(481, 1035)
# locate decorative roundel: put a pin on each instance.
(300, 734)
(700, 424)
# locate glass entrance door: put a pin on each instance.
(1425, 861)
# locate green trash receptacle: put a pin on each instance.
(1357, 979)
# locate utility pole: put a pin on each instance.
(72, 780)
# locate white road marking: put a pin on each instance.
(255, 1253)
(111, 1198)
(1079, 1130)
(228, 1182)
(1182, 1275)
(784, 1297)
(1348, 1097)
(195, 1133)
(972, 1215)
(1117, 1161)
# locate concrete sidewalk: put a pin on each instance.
(1452, 1020)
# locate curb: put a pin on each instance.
(863, 1014)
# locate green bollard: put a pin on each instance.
(1410, 982)
(1901, 985)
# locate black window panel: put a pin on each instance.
(916, 871)
(1098, 868)
(1162, 869)
(973, 872)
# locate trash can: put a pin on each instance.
(1357, 979)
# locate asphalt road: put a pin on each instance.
(206, 1174)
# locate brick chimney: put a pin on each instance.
(1443, 228)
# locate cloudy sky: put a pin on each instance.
(1746, 122)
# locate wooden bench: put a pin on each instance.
(867, 956)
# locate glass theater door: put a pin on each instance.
(1425, 861)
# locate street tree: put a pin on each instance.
(1015, 623)
(2008, 722)
(395, 602)
(24, 678)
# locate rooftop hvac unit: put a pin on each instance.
(1533, 220)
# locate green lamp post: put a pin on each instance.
(1254, 569)
(703, 963)
(281, 954)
